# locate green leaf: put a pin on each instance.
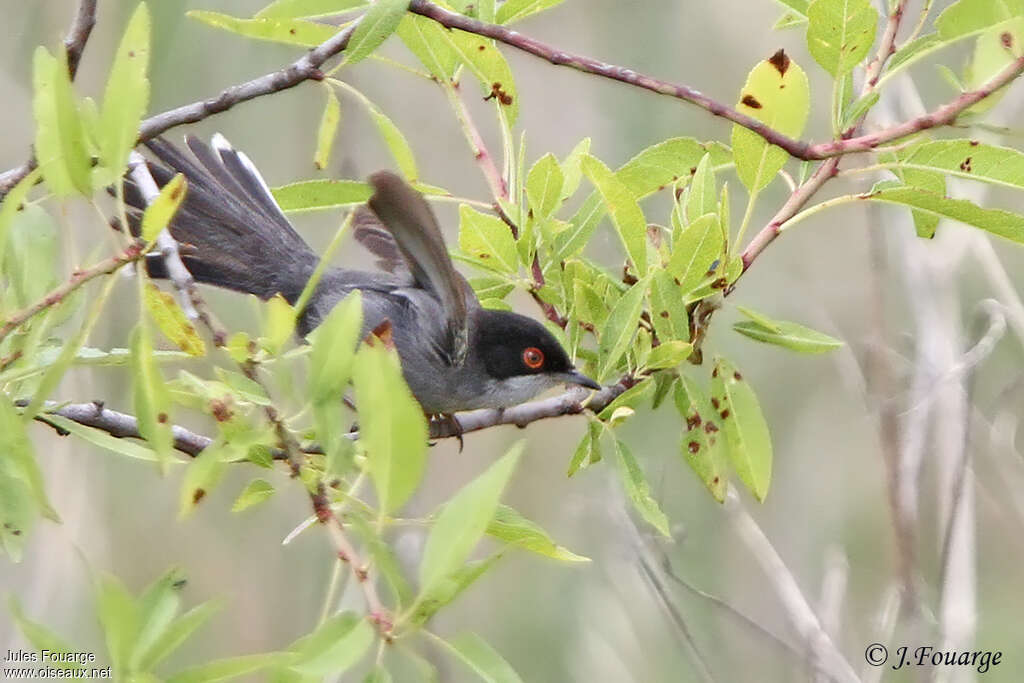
(1002, 223)
(232, 667)
(748, 443)
(306, 9)
(376, 26)
(425, 39)
(321, 194)
(274, 30)
(484, 660)
(666, 162)
(150, 397)
(668, 308)
(967, 17)
(335, 646)
(393, 137)
(618, 332)
(378, 675)
(637, 489)
(119, 615)
(789, 20)
(463, 521)
(255, 492)
(669, 354)
(201, 476)
(695, 252)
(104, 440)
(859, 108)
(799, 7)
(177, 633)
(392, 428)
(916, 49)
(588, 451)
(703, 196)
(544, 185)
(171, 320)
(994, 51)
(445, 591)
(840, 33)
(487, 63)
(60, 139)
(158, 607)
(778, 94)
(487, 240)
(162, 209)
(701, 444)
(278, 325)
(22, 492)
(514, 10)
(512, 528)
(11, 213)
(786, 334)
(334, 347)
(328, 130)
(572, 171)
(40, 637)
(19, 459)
(627, 217)
(127, 93)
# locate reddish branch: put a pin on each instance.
(78, 278)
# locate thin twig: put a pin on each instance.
(800, 614)
(133, 252)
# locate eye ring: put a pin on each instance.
(533, 358)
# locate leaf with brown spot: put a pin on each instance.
(171, 320)
(701, 448)
(747, 439)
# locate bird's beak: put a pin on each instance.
(574, 376)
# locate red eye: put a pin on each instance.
(533, 358)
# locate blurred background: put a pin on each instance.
(898, 425)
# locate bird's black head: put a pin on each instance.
(513, 346)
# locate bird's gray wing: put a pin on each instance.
(405, 214)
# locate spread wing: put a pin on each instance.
(405, 214)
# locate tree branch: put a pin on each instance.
(132, 253)
(78, 34)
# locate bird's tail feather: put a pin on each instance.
(231, 232)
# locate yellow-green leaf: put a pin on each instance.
(60, 139)
(328, 130)
(376, 26)
(701, 444)
(748, 442)
(511, 527)
(996, 221)
(544, 186)
(487, 63)
(127, 93)
(840, 33)
(487, 240)
(275, 30)
(786, 334)
(778, 94)
(695, 252)
(160, 212)
(309, 195)
(425, 39)
(306, 9)
(626, 214)
(171, 320)
(620, 329)
(150, 396)
(255, 492)
(392, 428)
(638, 490)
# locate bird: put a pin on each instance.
(455, 354)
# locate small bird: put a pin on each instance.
(455, 354)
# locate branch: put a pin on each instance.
(74, 44)
(622, 74)
(78, 34)
(132, 253)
